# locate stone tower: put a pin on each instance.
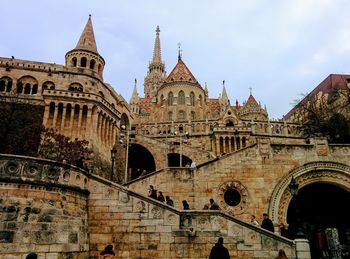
(134, 101)
(156, 70)
(85, 54)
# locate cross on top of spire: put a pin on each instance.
(180, 50)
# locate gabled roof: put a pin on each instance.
(181, 73)
(251, 102)
(87, 38)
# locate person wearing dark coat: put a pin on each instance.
(267, 223)
(219, 251)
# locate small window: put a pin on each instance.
(35, 89)
(92, 64)
(74, 62)
(181, 98)
(83, 62)
(192, 99)
(181, 116)
(170, 99)
(170, 116)
(19, 87)
(27, 89)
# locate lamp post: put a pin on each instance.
(113, 155)
(125, 138)
(293, 188)
(181, 151)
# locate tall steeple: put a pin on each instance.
(87, 38)
(156, 70)
(85, 54)
(157, 58)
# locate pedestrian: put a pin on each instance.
(193, 165)
(267, 223)
(143, 173)
(32, 256)
(169, 201)
(107, 253)
(283, 230)
(213, 205)
(281, 254)
(206, 206)
(152, 193)
(219, 251)
(160, 197)
(254, 221)
(185, 205)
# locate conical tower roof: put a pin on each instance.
(87, 38)
(135, 96)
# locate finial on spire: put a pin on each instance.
(135, 81)
(250, 90)
(223, 82)
(180, 50)
(89, 15)
(157, 30)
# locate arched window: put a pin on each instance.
(192, 99)
(193, 115)
(170, 116)
(19, 87)
(2, 85)
(27, 89)
(170, 98)
(35, 89)
(181, 115)
(83, 62)
(9, 86)
(181, 98)
(92, 64)
(74, 62)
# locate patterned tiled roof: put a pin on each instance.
(145, 105)
(181, 73)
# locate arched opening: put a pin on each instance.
(74, 62)
(83, 62)
(92, 64)
(147, 162)
(174, 160)
(181, 100)
(27, 89)
(322, 209)
(170, 99)
(35, 89)
(229, 123)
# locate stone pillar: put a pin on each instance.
(63, 119)
(302, 248)
(46, 115)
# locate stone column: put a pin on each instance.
(63, 119)
(46, 115)
(302, 248)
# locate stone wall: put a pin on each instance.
(139, 227)
(43, 209)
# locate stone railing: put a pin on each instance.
(23, 169)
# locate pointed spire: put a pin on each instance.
(180, 51)
(135, 96)
(224, 93)
(157, 58)
(87, 38)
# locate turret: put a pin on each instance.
(223, 99)
(134, 101)
(85, 55)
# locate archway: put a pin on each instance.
(174, 160)
(140, 158)
(322, 186)
(321, 206)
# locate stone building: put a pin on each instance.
(78, 103)
(244, 161)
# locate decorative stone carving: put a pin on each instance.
(53, 173)
(123, 197)
(237, 204)
(140, 206)
(12, 168)
(156, 213)
(327, 172)
(171, 219)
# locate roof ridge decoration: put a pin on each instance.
(87, 39)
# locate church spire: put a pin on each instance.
(156, 70)
(87, 38)
(157, 57)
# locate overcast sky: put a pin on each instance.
(280, 49)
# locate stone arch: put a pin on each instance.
(75, 87)
(6, 84)
(315, 172)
